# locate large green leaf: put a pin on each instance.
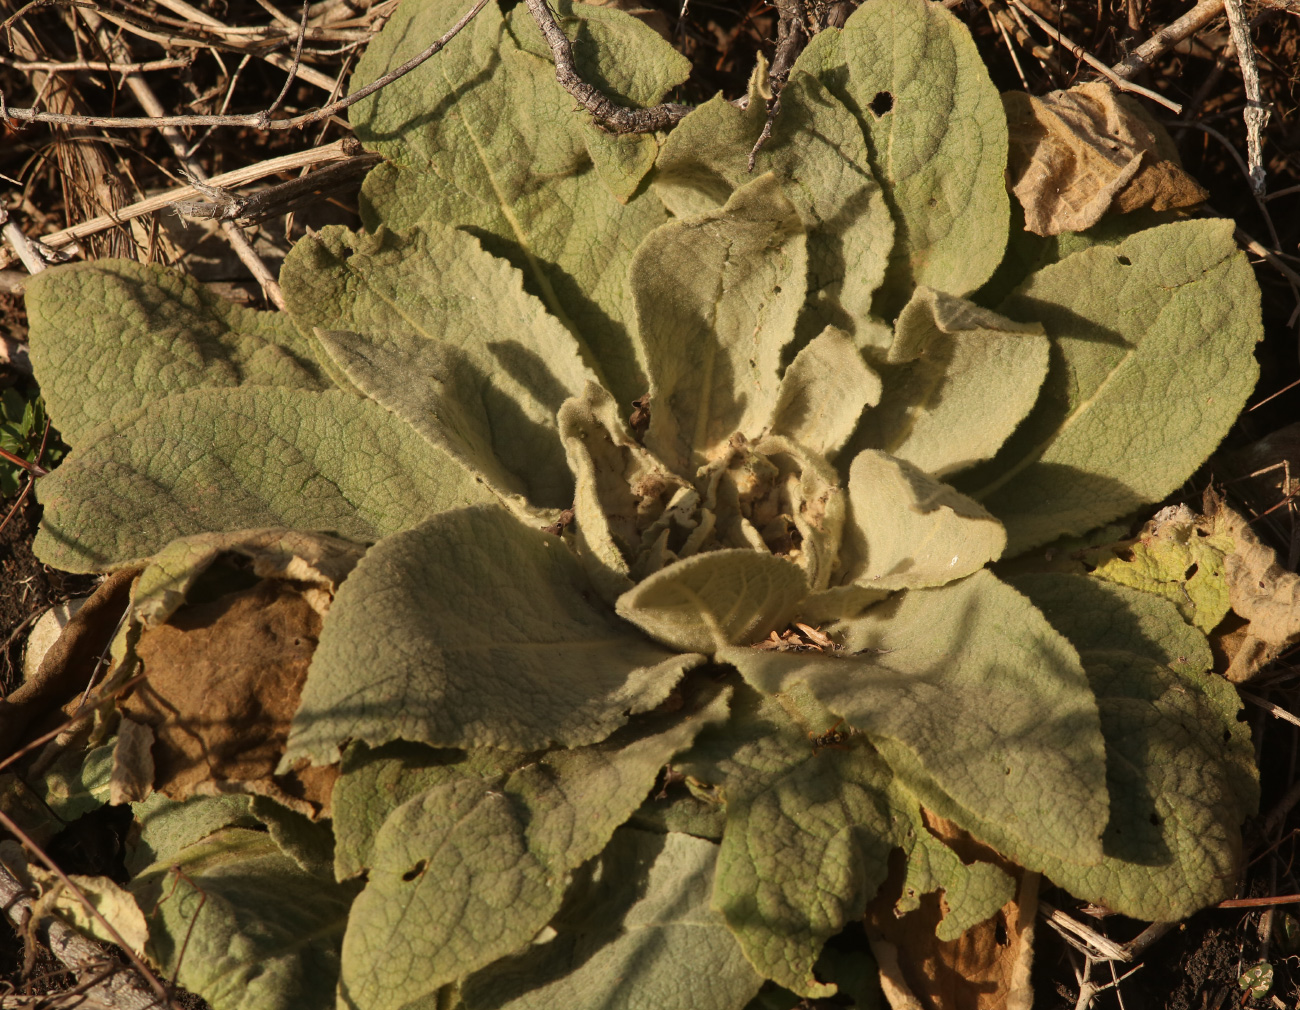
(473, 630)
(446, 337)
(807, 840)
(469, 870)
(483, 138)
(957, 381)
(937, 134)
(717, 298)
(909, 531)
(716, 599)
(1150, 364)
(217, 460)
(819, 153)
(111, 336)
(1179, 763)
(235, 920)
(968, 689)
(641, 937)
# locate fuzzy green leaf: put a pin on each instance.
(824, 392)
(909, 531)
(218, 460)
(642, 938)
(149, 333)
(446, 337)
(717, 297)
(807, 840)
(212, 926)
(818, 152)
(1151, 342)
(473, 630)
(920, 664)
(910, 72)
(484, 138)
(713, 600)
(469, 870)
(958, 379)
(1179, 763)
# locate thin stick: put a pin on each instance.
(340, 150)
(20, 244)
(97, 65)
(1256, 112)
(260, 120)
(1166, 38)
(1082, 54)
(614, 118)
(297, 59)
(1279, 899)
(1276, 710)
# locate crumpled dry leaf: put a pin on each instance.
(1077, 154)
(68, 665)
(223, 679)
(1262, 593)
(986, 968)
(131, 779)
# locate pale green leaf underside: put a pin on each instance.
(230, 459)
(717, 298)
(909, 531)
(823, 393)
(242, 951)
(714, 600)
(473, 630)
(1180, 765)
(469, 870)
(1151, 361)
(484, 138)
(1002, 721)
(648, 940)
(958, 379)
(818, 151)
(111, 336)
(937, 134)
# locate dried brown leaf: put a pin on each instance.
(223, 679)
(1263, 594)
(131, 780)
(986, 968)
(1077, 154)
(69, 664)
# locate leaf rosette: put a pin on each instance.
(662, 462)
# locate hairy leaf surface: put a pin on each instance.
(472, 630)
(717, 297)
(470, 869)
(643, 938)
(1179, 763)
(240, 950)
(149, 333)
(937, 135)
(218, 460)
(1170, 308)
(1004, 723)
(482, 138)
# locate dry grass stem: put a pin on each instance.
(1080, 53)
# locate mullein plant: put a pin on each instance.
(679, 484)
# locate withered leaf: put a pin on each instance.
(1076, 154)
(986, 968)
(223, 679)
(1262, 593)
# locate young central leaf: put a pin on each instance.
(717, 298)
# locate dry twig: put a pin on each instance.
(1256, 112)
(607, 115)
(1173, 33)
